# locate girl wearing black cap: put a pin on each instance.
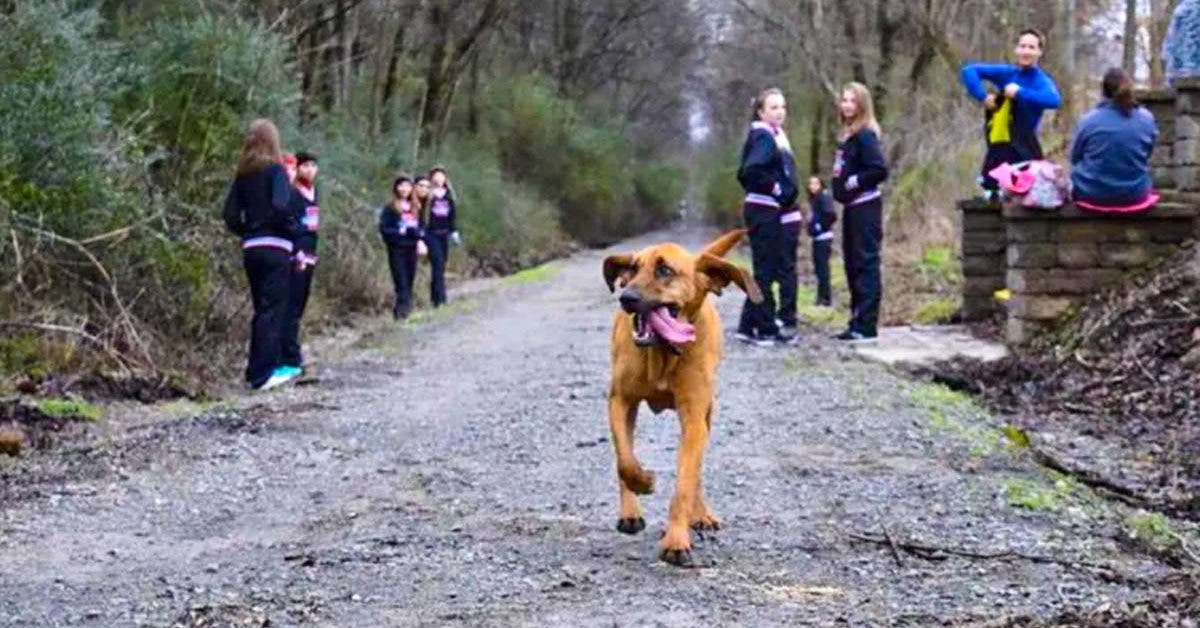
(401, 224)
(304, 258)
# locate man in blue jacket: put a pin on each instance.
(1030, 89)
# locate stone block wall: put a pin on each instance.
(983, 250)
(1056, 260)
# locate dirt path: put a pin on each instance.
(458, 472)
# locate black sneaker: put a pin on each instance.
(854, 336)
(742, 336)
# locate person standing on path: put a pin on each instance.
(442, 229)
(1029, 89)
(767, 174)
(858, 170)
(401, 225)
(257, 210)
(822, 217)
(308, 213)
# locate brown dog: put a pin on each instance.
(666, 344)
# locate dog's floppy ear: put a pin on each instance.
(721, 273)
(725, 243)
(618, 267)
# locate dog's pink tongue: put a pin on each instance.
(669, 328)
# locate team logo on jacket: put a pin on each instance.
(838, 162)
(312, 217)
(441, 208)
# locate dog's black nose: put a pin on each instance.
(630, 300)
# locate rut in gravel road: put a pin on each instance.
(458, 471)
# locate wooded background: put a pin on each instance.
(561, 121)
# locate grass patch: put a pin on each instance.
(1038, 496)
(69, 409)
(947, 411)
(939, 310)
(432, 314)
(532, 275)
(1153, 529)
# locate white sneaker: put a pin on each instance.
(277, 379)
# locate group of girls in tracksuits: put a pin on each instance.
(419, 221)
(273, 206)
(768, 175)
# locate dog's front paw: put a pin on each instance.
(678, 558)
(707, 523)
(675, 547)
(631, 525)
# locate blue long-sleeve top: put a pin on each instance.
(258, 206)
(400, 228)
(766, 170)
(1110, 157)
(1037, 94)
(858, 168)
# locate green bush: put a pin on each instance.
(582, 162)
(55, 136)
(199, 79)
(721, 194)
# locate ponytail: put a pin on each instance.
(1118, 87)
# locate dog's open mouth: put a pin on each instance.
(661, 324)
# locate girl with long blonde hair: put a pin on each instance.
(858, 170)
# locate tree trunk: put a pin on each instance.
(446, 62)
(473, 98)
(816, 135)
(383, 65)
(1129, 54)
(1160, 18)
(859, 69)
(888, 29)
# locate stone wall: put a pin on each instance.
(1052, 261)
(983, 265)
(1056, 260)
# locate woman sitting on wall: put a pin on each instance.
(1110, 158)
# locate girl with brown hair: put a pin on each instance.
(257, 210)
(1110, 157)
(402, 227)
(768, 175)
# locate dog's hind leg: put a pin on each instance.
(631, 477)
(676, 545)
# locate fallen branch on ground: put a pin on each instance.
(938, 553)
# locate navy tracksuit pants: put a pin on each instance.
(402, 261)
(766, 245)
(269, 271)
(862, 239)
(299, 287)
(439, 252)
(822, 251)
(789, 282)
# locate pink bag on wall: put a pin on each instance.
(1038, 184)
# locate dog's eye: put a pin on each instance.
(662, 271)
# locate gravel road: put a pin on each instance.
(457, 471)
